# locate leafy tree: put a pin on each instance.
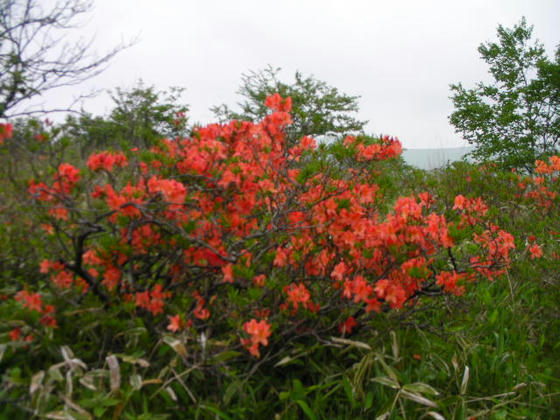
(35, 55)
(317, 108)
(141, 116)
(515, 119)
(146, 115)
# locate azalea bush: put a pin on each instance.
(217, 253)
(227, 227)
(526, 205)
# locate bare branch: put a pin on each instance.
(36, 55)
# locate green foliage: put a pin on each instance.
(317, 108)
(35, 148)
(489, 354)
(140, 117)
(515, 119)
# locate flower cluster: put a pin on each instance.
(106, 161)
(259, 332)
(540, 189)
(6, 132)
(34, 302)
(232, 222)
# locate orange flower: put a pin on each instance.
(32, 302)
(106, 160)
(48, 228)
(175, 323)
(459, 202)
(259, 332)
(111, 277)
(6, 132)
(201, 312)
(44, 267)
(347, 326)
(277, 103)
(281, 258)
(15, 334)
(62, 279)
(259, 280)
(59, 213)
(449, 281)
(48, 321)
(228, 273)
(536, 251)
(297, 294)
(339, 271)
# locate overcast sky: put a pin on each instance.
(398, 56)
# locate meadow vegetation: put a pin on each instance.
(227, 274)
(151, 268)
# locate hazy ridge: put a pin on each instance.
(434, 158)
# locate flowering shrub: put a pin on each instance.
(541, 188)
(229, 228)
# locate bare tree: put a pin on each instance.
(36, 54)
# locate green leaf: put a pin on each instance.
(298, 390)
(230, 391)
(418, 398)
(224, 356)
(133, 360)
(389, 370)
(54, 373)
(284, 395)
(98, 411)
(387, 408)
(216, 411)
(421, 388)
(348, 391)
(384, 380)
(306, 409)
(352, 343)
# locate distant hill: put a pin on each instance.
(434, 158)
